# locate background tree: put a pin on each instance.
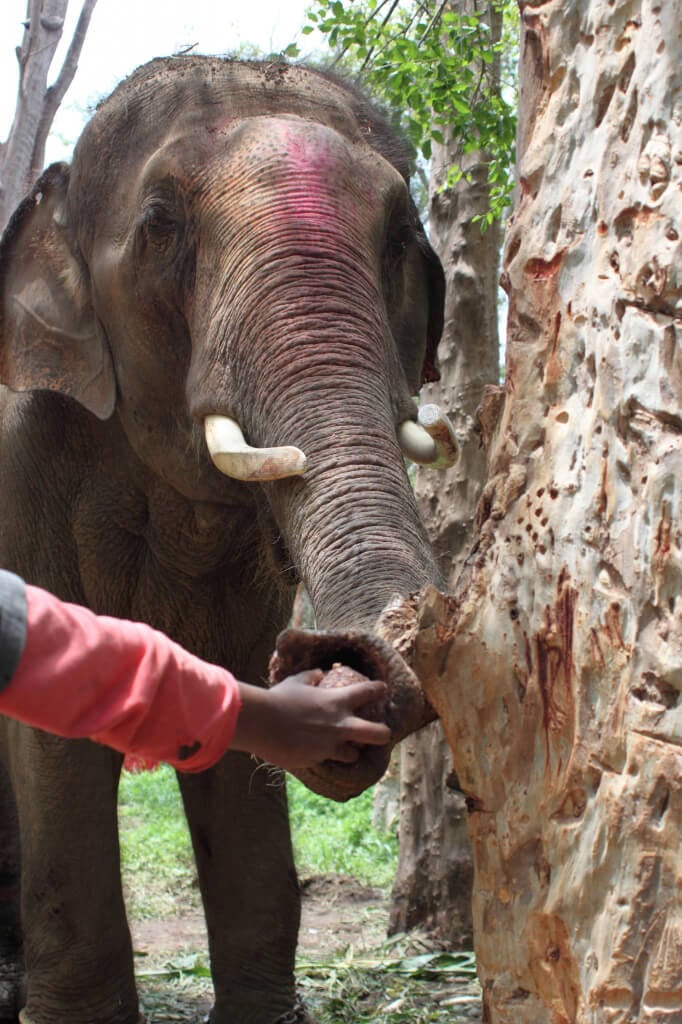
(556, 664)
(438, 66)
(434, 877)
(22, 155)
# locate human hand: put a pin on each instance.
(298, 724)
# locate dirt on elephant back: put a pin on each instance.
(343, 928)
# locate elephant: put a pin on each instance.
(212, 329)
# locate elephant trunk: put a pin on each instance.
(351, 522)
(334, 390)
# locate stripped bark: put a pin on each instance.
(556, 665)
(23, 154)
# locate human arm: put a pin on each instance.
(120, 683)
(77, 674)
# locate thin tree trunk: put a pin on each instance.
(433, 882)
(556, 666)
(56, 92)
(22, 155)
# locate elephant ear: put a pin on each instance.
(50, 338)
(417, 322)
(435, 286)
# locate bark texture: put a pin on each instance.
(434, 877)
(556, 665)
(23, 154)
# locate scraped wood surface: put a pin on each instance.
(556, 665)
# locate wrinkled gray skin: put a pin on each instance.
(232, 239)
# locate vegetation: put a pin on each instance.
(433, 64)
(339, 839)
(156, 850)
(401, 981)
(392, 986)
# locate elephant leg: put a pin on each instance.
(238, 817)
(77, 946)
(12, 988)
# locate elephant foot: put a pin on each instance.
(297, 1015)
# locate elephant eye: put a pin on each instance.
(398, 242)
(159, 226)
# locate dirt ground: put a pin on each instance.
(339, 916)
(337, 912)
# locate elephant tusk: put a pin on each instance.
(234, 457)
(431, 441)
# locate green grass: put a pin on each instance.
(400, 982)
(156, 852)
(334, 838)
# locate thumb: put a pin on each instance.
(358, 694)
(311, 677)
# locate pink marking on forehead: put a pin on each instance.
(311, 152)
(322, 173)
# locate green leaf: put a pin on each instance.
(434, 72)
(435, 965)
(180, 967)
(460, 106)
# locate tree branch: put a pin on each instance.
(55, 94)
(43, 29)
(384, 23)
(371, 17)
(435, 21)
(23, 52)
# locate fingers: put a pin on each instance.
(361, 733)
(325, 724)
(359, 730)
(364, 733)
(358, 694)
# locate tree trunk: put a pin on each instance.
(22, 155)
(433, 882)
(556, 666)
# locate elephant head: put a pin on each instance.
(233, 272)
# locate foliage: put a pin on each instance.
(156, 850)
(437, 68)
(392, 984)
(339, 838)
(403, 981)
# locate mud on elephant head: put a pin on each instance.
(234, 271)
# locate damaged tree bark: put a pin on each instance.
(556, 665)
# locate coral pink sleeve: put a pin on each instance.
(120, 683)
